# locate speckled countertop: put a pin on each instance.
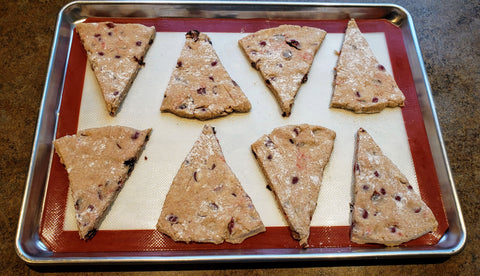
(448, 33)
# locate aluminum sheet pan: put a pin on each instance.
(33, 250)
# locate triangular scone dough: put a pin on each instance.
(115, 53)
(386, 209)
(206, 202)
(293, 159)
(200, 87)
(361, 83)
(283, 55)
(98, 162)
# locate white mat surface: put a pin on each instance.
(139, 204)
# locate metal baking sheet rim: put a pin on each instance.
(31, 250)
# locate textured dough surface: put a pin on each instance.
(283, 55)
(293, 158)
(98, 162)
(386, 209)
(200, 87)
(206, 202)
(362, 84)
(115, 52)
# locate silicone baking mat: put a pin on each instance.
(130, 224)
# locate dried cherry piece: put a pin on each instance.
(135, 135)
(305, 78)
(202, 91)
(230, 225)
(172, 219)
(294, 43)
(365, 214)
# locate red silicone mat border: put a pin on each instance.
(58, 240)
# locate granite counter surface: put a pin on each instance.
(448, 33)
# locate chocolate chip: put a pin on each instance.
(182, 106)
(263, 43)
(295, 180)
(117, 56)
(398, 198)
(214, 63)
(382, 191)
(376, 174)
(179, 64)
(381, 67)
(268, 187)
(101, 53)
(138, 43)
(195, 176)
(110, 25)
(417, 210)
(375, 100)
(269, 157)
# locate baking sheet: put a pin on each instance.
(263, 121)
(173, 137)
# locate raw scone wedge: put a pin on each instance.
(206, 203)
(293, 158)
(200, 87)
(115, 52)
(362, 84)
(98, 162)
(386, 209)
(283, 55)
